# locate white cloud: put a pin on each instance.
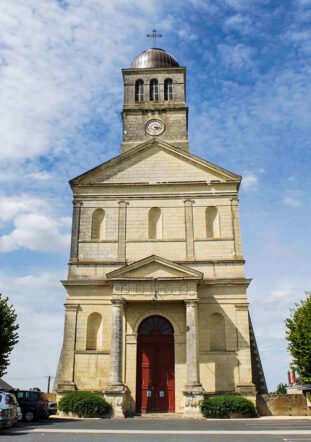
(12, 206)
(292, 202)
(237, 56)
(249, 181)
(37, 299)
(240, 23)
(278, 295)
(56, 61)
(38, 284)
(35, 226)
(36, 232)
(292, 198)
(42, 175)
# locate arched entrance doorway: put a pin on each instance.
(155, 391)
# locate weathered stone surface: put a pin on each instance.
(282, 405)
(126, 274)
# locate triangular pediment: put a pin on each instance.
(155, 162)
(156, 268)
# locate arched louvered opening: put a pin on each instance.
(168, 89)
(154, 90)
(98, 224)
(94, 332)
(212, 222)
(155, 325)
(139, 90)
(217, 332)
(155, 223)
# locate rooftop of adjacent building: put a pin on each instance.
(154, 58)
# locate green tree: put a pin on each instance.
(299, 338)
(8, 332)
(281, 389)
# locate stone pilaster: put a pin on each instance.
(245, 386)
(189, 229)
(236, 228)
(122, 229)
(116, 392)
(193, 393)
(65, 376)
(74, 248)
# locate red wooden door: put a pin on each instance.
(155, 370)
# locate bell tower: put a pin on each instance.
(154, 100)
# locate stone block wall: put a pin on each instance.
(282, 405)
(173, 240)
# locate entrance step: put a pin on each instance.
(160, 416)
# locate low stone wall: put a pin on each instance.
(282, 405)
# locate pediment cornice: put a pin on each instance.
(155, 267)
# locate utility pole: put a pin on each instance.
(49, 382)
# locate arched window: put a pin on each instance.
(212, 222)
(139, 90)
(98, 224)
(168, 89)
(155, 223)
(154, 90)
(217, 332)
(94, 331)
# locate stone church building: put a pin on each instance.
(157, 312)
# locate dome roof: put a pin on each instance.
(154, 58)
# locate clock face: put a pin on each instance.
(155, 127)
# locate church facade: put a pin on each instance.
(156, 313)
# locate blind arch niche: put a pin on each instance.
(98, 224)
(155, 223)
(212, 222)
(94, 331)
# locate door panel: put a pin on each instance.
(148, 358)
(155, 374)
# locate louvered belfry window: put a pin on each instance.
(154, 90)
(139, 90)
(168, 89)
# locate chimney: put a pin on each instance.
(294, 377)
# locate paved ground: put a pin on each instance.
(163, 430)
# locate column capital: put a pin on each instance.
(189, 200)
(77, 203)
(71, 307)
(193, 302)
(118, 301)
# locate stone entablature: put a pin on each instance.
(155, 290)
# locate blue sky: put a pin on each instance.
(248, 73)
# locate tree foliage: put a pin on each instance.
(281, 389)
(299, 338)
(8, 332)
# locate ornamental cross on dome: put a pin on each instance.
(154, 37)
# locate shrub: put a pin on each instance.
(84, 404)
(225, 406)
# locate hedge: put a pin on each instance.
(84, 404)
(225, 406)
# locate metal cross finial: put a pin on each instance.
(154, 37)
